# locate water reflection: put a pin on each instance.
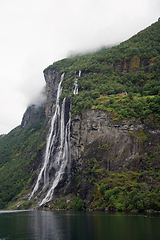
(46, 225)
(49, 225)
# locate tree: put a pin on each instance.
(130, 95)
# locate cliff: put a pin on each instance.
(125, 139)
(100, 145)
(51, 77)
(96, 147)
(33, 114)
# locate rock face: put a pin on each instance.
(51, 77)
(96, 130)
(95, 136)
(133, 63)
(33, 114)
(116, 142)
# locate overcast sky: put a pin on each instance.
(36, 33)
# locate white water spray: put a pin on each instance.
(75, 91)
(57, 154)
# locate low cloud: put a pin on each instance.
(39, 99)
(34, 34)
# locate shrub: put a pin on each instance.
(102, 188)
(120, 117)
(100, 202)
(116, 190)
(130, 95)
(140, 206)
(108, 194)
(111, 100)
(103, 207)
(112, 201)
(95, 94)
(119, 207)
(105, 104)
(78, 204)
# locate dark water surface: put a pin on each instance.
(69, 225)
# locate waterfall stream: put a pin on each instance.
(75, 91)
(57, 154)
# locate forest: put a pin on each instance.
(131, 67)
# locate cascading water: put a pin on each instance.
(75, 91)
(57, 155)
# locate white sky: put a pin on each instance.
(36, 33)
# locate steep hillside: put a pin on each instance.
(113, 135)
(132, 67)
(20, 151)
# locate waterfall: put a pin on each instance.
(57, 154)
(75, 91)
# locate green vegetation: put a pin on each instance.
(124, 81)
(144, 45)
(121, 190)
(131, 106)
(78, 204)
(132, 67)
(106, 76)
(102, 188)
(19, 151)
(128, 194)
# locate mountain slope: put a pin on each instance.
(114, 131)
(19, 153)
(132, 66)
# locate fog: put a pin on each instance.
(34, 34)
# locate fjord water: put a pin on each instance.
(69, 225)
